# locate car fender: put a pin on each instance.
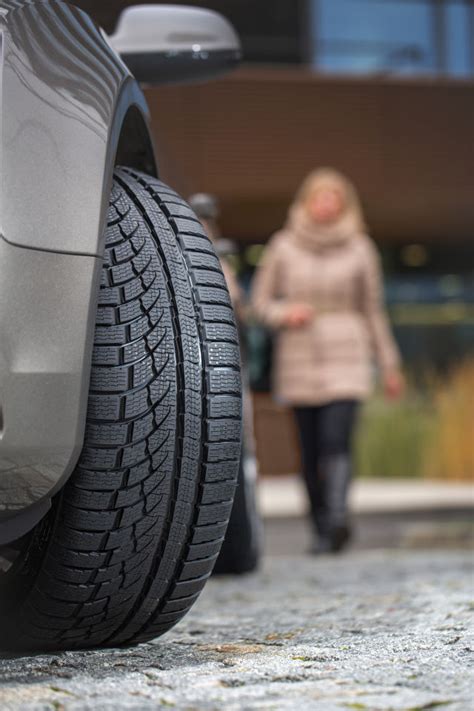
(66, 100)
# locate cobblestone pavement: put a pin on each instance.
(374, 630)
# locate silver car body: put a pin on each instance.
(69, 111)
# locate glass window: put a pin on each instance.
(457, 38)
(391, 36)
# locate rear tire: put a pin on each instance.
(241, 550)
(134, 534)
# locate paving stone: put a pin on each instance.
(368, 631)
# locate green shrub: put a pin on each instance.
(450, 449)
(424, 435)
(392, 437)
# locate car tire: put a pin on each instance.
(241, 550)
(132, 537)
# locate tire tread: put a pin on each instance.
(139, 524)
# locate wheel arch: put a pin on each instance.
(135, 148)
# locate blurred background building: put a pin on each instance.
(384, 91)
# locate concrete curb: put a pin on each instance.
(284, 496)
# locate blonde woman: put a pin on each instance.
(319, 287)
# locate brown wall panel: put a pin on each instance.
(275, 436)
(409, 146)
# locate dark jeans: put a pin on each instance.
(326, 443)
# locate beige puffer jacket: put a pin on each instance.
(336, 270)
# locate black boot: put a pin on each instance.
(320, 544)
(337, 475)
(319, 519)
(322, 541)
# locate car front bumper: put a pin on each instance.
(47, 302)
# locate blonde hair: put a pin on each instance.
(331, 179)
